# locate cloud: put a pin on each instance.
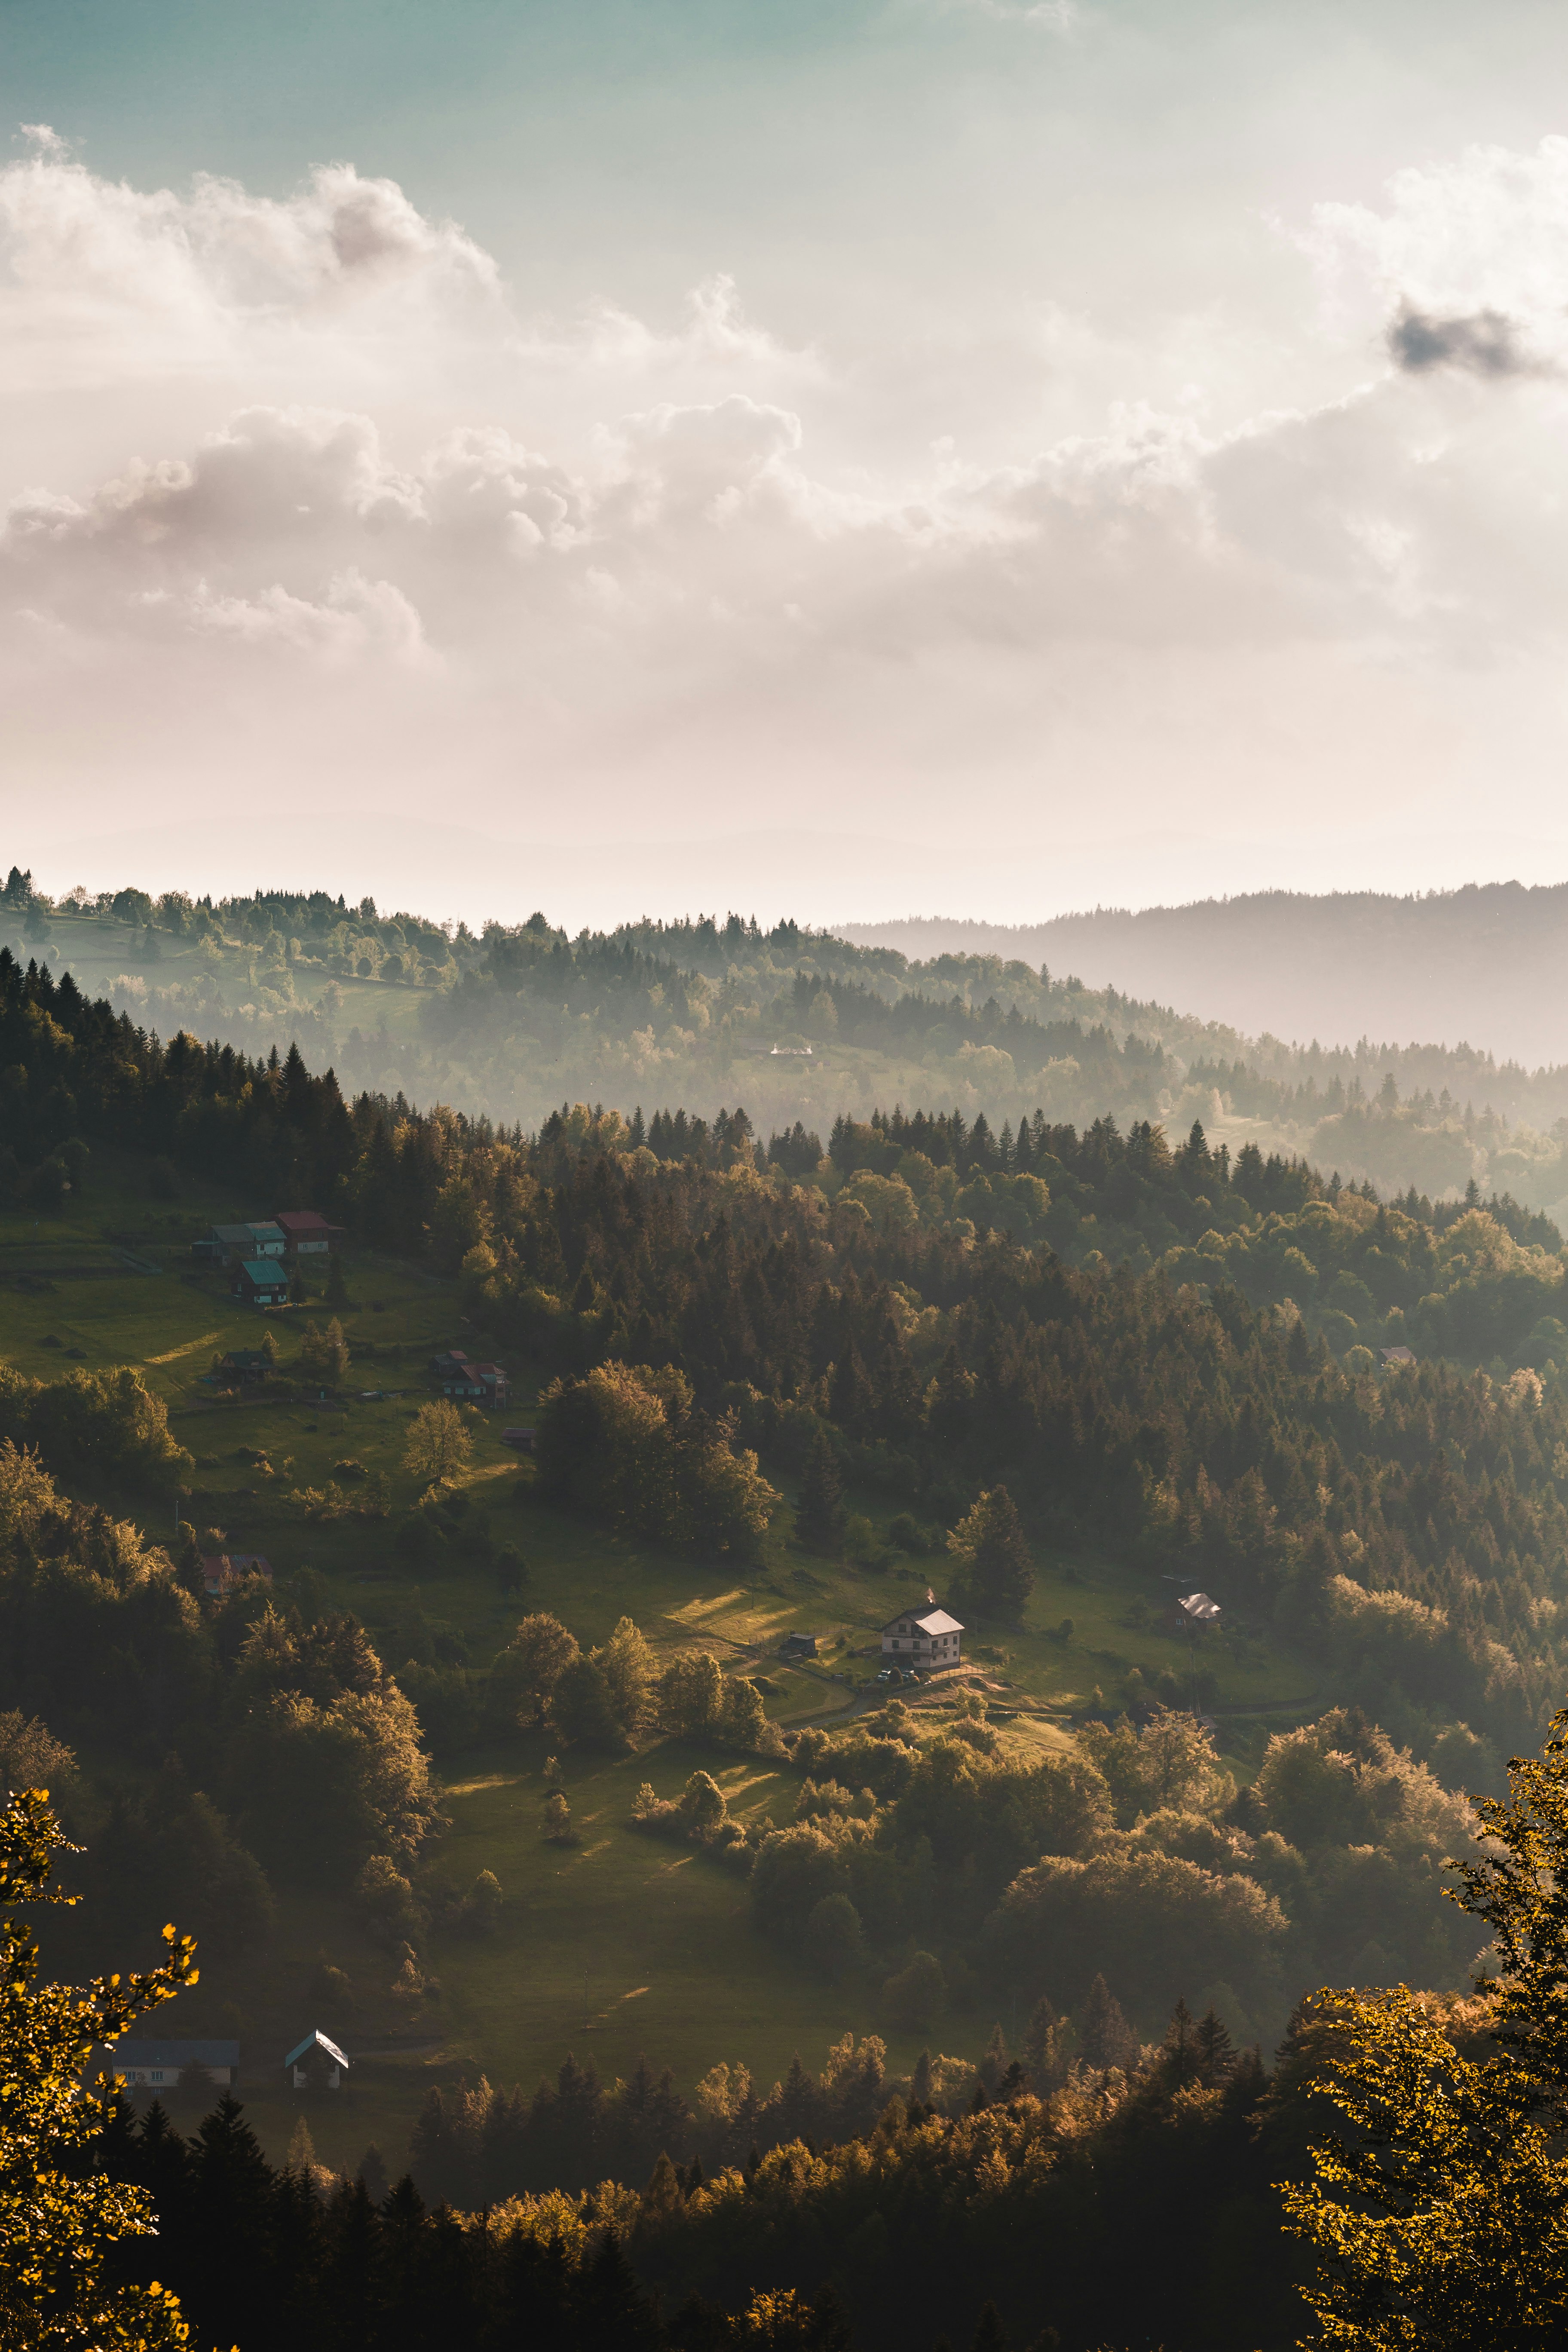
(385, 537)
(1486, 343)
(1467, 259)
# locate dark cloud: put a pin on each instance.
(1484, 342)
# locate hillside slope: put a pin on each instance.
(1488, 964)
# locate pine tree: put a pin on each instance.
(994, 1571)
(820, 1518)
(1044, 2041)
(990, 2335)
(1104, 2035)
(1217, 2058)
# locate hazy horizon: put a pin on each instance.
(942, 454)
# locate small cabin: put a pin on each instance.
(266, 1239)
(261, 1282)
(159, 2066)
(245, 1368)
(926, 1637)
(522, 1439)
(799, 1646)
(460, 1377)
(305, 1232)
(315, 2062)
(1191, 1613)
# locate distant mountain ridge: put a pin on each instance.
(1486, 965)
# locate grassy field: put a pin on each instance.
(616, 1945)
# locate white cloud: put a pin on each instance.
(1484, 234)
(572, 566)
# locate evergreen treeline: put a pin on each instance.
(503, 1020)
(893, 2228)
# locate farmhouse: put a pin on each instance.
(266, 1239)
(316, 2059)
(461, 1378)
(159, 2066)
(261, 1282)
(232, 1240)
(305, 1232)
(923, 1637)
(245, 1368)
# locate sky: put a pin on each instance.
(846, 460)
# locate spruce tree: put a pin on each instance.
(820, 1518)
(1104, 2035)
(994, 1571)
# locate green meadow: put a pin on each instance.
(615, 1945)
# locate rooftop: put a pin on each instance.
(315, 2040)
(174, 2053)
(929, 1620)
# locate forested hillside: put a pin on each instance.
(1415, 1523)
(508, 1024)
(1488, 963)
(1017, 1337)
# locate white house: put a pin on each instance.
(317, 2057)
(158, 2065)
(923, 1637)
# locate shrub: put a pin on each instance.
(835, 1944)
(917, 1995)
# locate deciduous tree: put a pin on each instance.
(60, 2216)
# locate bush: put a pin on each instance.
(483, 1905)
(917, 1995)
(835, 1944)
(384, 1900)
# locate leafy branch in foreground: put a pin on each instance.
(1441, 2219)
(58, 2219)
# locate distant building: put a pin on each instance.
(315, 2059)
(523, 1439)
(232, 1240)
(923, 1637)
(1393, 1356)
(261, 1282)
(305, 1232)
(1197, 1609)
(466, 1381)
(799, 1646)
(158, 2065)
(222, 1570)
(266, 1239)
(245, 1368)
